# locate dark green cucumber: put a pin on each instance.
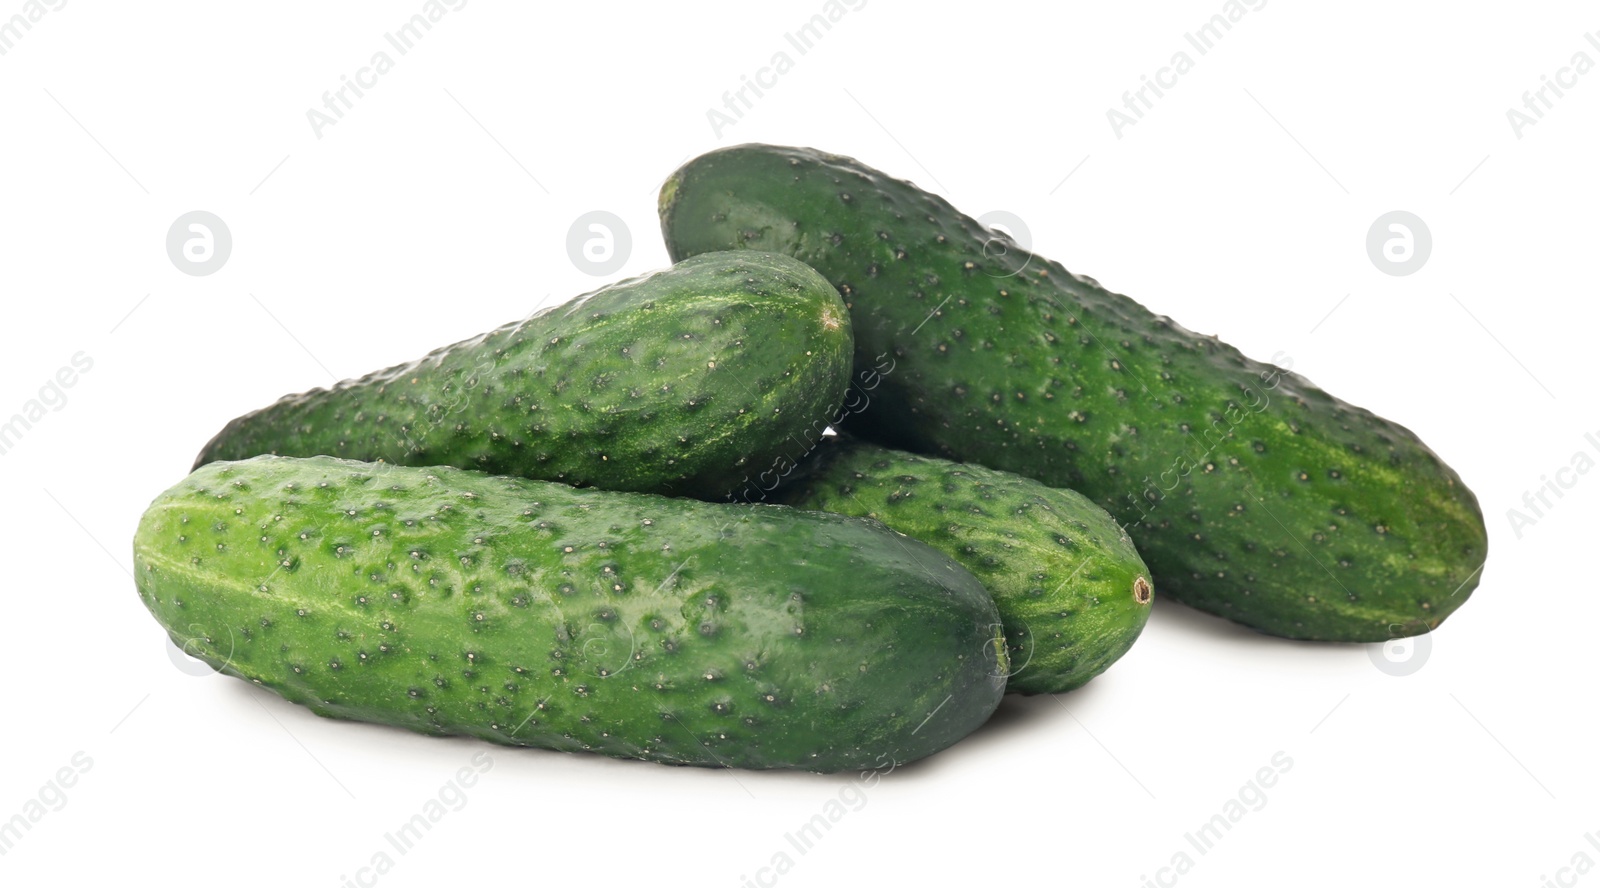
(678, 382)
(1072, 591)
(1250, 492)
(536, 614)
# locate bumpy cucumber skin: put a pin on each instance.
(1072, 591)
(680, 382)
(536, 614)
(1250, 492)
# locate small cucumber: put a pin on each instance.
(537, 614)
(1072, 591)
(678, 382)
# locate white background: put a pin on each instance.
(439, 206)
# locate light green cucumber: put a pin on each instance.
(537, 614)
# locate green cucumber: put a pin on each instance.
(1250, 492)
(536, 614)
(1072, 591)
(678, 382)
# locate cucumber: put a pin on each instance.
(536, 614)
(1072, 591)
(677, 382)
(1250, 492)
